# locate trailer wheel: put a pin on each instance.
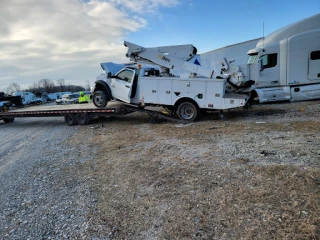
(70, 119)
(83, 118)
(187, 111)
(100, 99)
(8, 120)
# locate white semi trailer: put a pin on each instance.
(284, 66)
(235, 52)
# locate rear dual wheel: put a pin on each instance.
(187, 111)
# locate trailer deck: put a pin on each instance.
(80, 113)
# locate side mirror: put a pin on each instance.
(109, 75)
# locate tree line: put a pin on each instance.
(47, 86)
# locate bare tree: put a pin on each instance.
(13, 87)
(74, 88)
(61, 84)
(47, 85)
(35, 88)
(87, 87)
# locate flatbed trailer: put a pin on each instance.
(80, 114)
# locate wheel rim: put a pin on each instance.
(98, 99)
(187, 112)
(70, 119)
(81, 119)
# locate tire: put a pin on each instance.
(70, 119)
(100, 99)
(83, 118)
(8, 120)
(187, 111)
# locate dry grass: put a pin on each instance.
(274, 202)
(167, 181)
(145, 200)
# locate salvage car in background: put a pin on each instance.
(68, 99)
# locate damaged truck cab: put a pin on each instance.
(123, 85)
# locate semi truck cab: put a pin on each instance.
(285, 65)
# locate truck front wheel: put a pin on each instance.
(187, 111)
(100, 99)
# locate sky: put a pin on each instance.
(68, 39)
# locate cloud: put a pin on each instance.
(144, 6)
(46, 39)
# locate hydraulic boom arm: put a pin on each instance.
(176, 56)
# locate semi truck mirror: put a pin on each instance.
(109, 75)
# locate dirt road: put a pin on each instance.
(254, 176)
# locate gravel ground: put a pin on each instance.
(56, 184)
(39, 197)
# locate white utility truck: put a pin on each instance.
(142, 84)
(284, 66)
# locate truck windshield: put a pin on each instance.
(136, 71)
(252, 58)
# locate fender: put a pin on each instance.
(102, 85)
(185, 99)
(273, 94)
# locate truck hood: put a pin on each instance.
(112, 67)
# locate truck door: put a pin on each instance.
(121, 85)
(26, 98)
(270, 71)
(314, 66)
